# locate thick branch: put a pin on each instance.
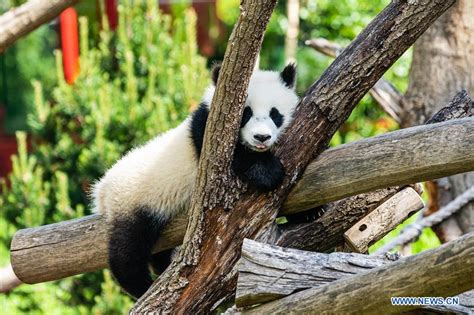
(398, 158)
(383, 92)
(454, 261)
(375, 159)
(20, 21)
(326, 232)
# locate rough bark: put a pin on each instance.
(370, 292)
(383, 92)
(269, 272)
(214, 236)
(443, 60)
(401, 157)
(18, 22)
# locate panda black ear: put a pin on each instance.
(215, 72)
(288, 75)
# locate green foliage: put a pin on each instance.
(29, 58)
(137, 82)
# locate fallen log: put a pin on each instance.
(398, 158)
(268, 272)
(371, 292)
(19, 21)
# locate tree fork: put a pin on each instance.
(214, 236)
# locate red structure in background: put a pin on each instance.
(69, 44)
(8, 147)
(112, 13)
(206, 11)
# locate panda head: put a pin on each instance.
(269, 106)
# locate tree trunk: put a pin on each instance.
(443, 60)
(196, 278)
(200, 275)
(20, 21)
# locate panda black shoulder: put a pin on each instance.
(198, 126)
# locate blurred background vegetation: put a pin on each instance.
(134, 82)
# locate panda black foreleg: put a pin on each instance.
(262, 171)
(131, 239)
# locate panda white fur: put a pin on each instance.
(154, 182)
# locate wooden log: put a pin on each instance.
(397, 158)
(445, 271)
(376, 163)
(384, 93)
(19, 21)
(268, 272)
(382, 220)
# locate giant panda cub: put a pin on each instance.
(142, 192)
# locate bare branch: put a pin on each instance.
(20, 21)
(384, 93)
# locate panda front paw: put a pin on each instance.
(264, 175)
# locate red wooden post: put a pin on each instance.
(69, 44)
(112, 14)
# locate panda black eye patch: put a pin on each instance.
(276, 117)
(246, 116)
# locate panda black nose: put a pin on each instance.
(262, 138)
